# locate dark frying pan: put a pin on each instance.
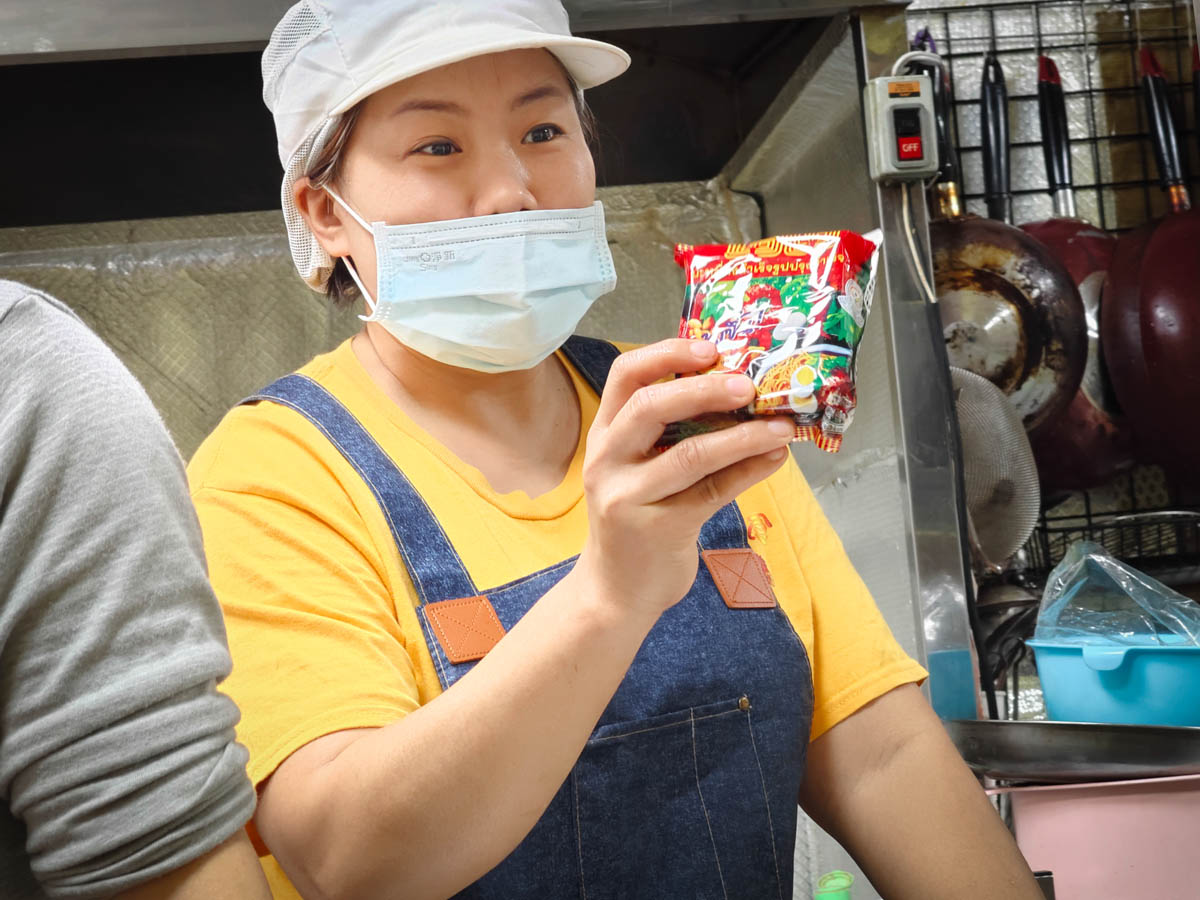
(1010, 311)
(1150, 321)
(1066, 752)
(1088, 444)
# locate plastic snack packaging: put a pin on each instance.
(789, 312)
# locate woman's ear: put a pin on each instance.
(325, 218)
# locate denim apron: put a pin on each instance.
(688, 786)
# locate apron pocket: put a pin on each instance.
(676, 806)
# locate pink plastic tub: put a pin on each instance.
(1116, 840)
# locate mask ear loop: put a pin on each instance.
(371, 305)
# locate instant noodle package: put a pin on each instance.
(789, 312)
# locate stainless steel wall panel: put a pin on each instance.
(644, 224)
(201, 319)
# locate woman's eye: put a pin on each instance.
(542, 133)
(438, 148)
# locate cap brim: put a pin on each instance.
(589, 62)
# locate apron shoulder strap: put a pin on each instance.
(436, 570)
(593, 359)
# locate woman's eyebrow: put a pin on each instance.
(448, 106)
(420, 105)
(539, 93)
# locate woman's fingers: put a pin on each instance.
(646, 510)
(705, 497)
(702, 464)
(646, 365)
(650, 409)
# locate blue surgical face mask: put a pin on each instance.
(490, 293)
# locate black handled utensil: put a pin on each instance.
(944, 195)
(993, 122)
(1056, 149)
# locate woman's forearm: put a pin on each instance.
(889, 785)
(425, 806)
(954, 843)
(229, 871)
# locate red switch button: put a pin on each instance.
(909, 147)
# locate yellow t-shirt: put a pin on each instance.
(321, 613)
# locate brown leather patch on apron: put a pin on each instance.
(741, 577)
(467, 629)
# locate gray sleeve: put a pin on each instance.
(117, 753)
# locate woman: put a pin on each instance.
(475, 644)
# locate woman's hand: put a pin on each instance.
(646, 509)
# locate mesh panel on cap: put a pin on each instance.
(299, 25)
(312, 262)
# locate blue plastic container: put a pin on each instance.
(1120, 683)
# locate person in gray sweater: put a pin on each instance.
(119, 769)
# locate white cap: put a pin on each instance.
(326, 55)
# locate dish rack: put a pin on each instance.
(1163, 543)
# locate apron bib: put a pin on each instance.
(688, 785)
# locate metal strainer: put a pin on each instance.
(1003, 497)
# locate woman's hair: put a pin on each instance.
(326, 168)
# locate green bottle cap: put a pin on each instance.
(834, 886)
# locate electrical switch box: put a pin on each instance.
(901, 141)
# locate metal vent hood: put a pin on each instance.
(37, 31)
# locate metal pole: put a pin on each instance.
(930, 458)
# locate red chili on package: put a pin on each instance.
(789, 312)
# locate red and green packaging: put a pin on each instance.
(789, 312)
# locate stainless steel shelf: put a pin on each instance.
(603, 15)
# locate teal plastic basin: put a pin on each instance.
(1120, 683)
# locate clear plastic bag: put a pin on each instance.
(1092, 597)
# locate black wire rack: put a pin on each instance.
(1163, 543)
(1095, 43)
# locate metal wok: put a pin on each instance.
(1010, 311)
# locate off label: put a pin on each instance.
(910, 148)
(904, 88)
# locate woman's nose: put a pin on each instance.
(502, 184)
